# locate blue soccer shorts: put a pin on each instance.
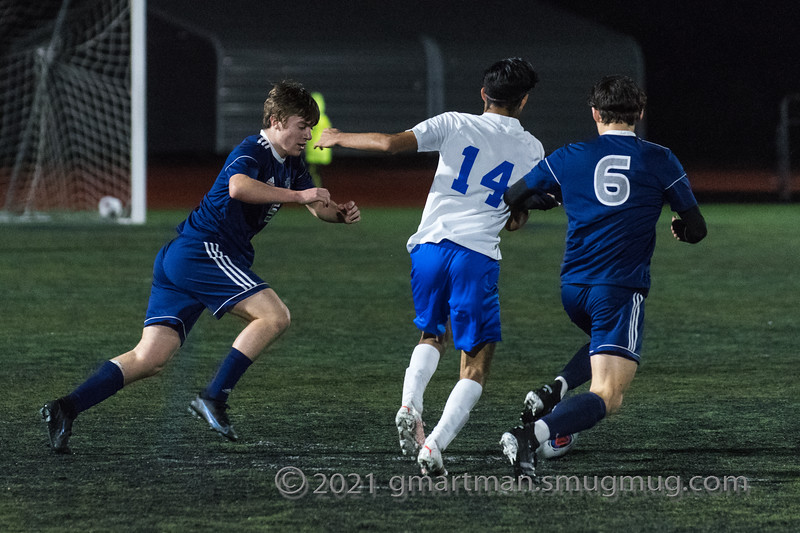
(450, 282)
(612, 316)
(190, 276)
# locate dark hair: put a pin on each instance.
(618, 99)
(288, 98)
(507, 81)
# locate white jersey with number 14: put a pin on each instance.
(480, 156)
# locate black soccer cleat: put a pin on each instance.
(540, 402)
(59, 426)
(215, 413)
(519, 445)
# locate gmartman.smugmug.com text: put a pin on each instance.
(294, 483)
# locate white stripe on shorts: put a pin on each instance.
(226, 265)
(633, 325)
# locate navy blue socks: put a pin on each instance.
(574, 414)
(109, 379)
(101, 385)
(231, 369)
(579, 369)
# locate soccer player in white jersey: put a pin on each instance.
(207, 266)
(455, 252)
(613, 190)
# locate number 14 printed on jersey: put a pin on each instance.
(496, 179)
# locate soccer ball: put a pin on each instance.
(109, 207)
(555, 448)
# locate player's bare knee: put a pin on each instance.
(282, 320)
(477, 371)
(477, 375)
(154, 370)
(274, 321)
(613, 405)
(437, 341)
(611, 398)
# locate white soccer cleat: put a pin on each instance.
(430, 460)
(410, 429)
(510, 446)
(519, 450)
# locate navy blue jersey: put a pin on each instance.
(614, 189)
(231, 223)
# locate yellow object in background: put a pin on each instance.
(316, 157)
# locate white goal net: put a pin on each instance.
(72, 108)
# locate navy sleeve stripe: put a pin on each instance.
(551, 171)
(676, 181)
(238, 158)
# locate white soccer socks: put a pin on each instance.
(541, 431)
(424, 360)
(462, 399)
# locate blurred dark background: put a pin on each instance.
(715, 71)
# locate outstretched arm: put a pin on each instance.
(690, 227)
(375, 142)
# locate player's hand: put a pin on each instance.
(327, 138)
(678, 227)
(348, 213)
(541, 202)
(516, 220)
(316, 194)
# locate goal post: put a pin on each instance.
(788, 119)
(73, 110)
(138, 213)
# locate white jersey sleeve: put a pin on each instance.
(480, 156)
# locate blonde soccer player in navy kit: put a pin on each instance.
(207, 266)
(613, 190)
(455, 252)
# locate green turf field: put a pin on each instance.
(716, 397)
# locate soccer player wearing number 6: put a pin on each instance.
(613, 190)
(207, 266)
(455, 252)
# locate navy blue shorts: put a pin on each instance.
(612, 316)
(189, 276)
(451, 282)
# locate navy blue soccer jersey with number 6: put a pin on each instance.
(614, 188)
